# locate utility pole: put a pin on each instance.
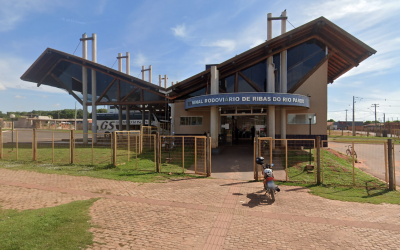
(346, 118)
(353, 124)
(384, 121)
(375, 104)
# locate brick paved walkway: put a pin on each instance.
(207, 214)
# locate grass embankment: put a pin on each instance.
(62, 227)
(137, 169)
(337, 174)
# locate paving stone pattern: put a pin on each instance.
(207, 214)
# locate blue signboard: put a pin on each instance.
(259, 98)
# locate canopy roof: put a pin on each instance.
(346, 52)
(62, 70)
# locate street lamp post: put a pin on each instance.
(12, 116)
(309, 118)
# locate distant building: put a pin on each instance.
(349, 125)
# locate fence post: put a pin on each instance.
(195, 154)
(256, 155)
(1, 143)
(183, 154)
(157, 152)
(386, 165)
(34, 141)
(114, 148)
(208, 163)
(318, 160)
(72, 143)
(16, 143)
(52, 147)
(129, 145)
(392, 187)
(286, 163)
(136, 149)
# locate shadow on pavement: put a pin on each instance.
(258, 199)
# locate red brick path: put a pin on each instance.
(207, 214)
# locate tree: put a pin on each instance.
(331, 120)
(100, 111)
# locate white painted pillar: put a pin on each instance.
(84, 91)
(159, 80)
(165, 81)
(128, 63)
(271, 88)
(94, 89)
(270, 83)
(150, 72)
(283, 78)
(120, 113)
(214, 115)
(119, 62)
(172, 118)
(269, 27)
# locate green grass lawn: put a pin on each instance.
(62, 227)
(352, 194)
(338, 179)
(364, 138)
(140, 168)
(336, 171)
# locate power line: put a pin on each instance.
(114, 63)
(76, 47)
(290, 23)
(337, 111)
(375, 105)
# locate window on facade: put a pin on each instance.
(301, 119)
(257, 74)
(301, 59)
(277, 61)
(244, 86)
(228, 84)
(199, 92)
(191, 120)
(149, 96)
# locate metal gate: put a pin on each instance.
(262, 147)
(181, 153)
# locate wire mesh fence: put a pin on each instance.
(91, 149)
(127, 147)
(17, 145)
(173, 153)
(292, 159)
(301, 160)
(355, 163)
(53, 147)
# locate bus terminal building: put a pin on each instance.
(277, 89)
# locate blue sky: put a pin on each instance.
(179, 37)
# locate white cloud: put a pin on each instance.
(179, 30)
(56, 105)
(140, 60)
(20, 97)
(12, 68)
(227, 44)
(354, 9)
(13, 12)
(101, 5)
